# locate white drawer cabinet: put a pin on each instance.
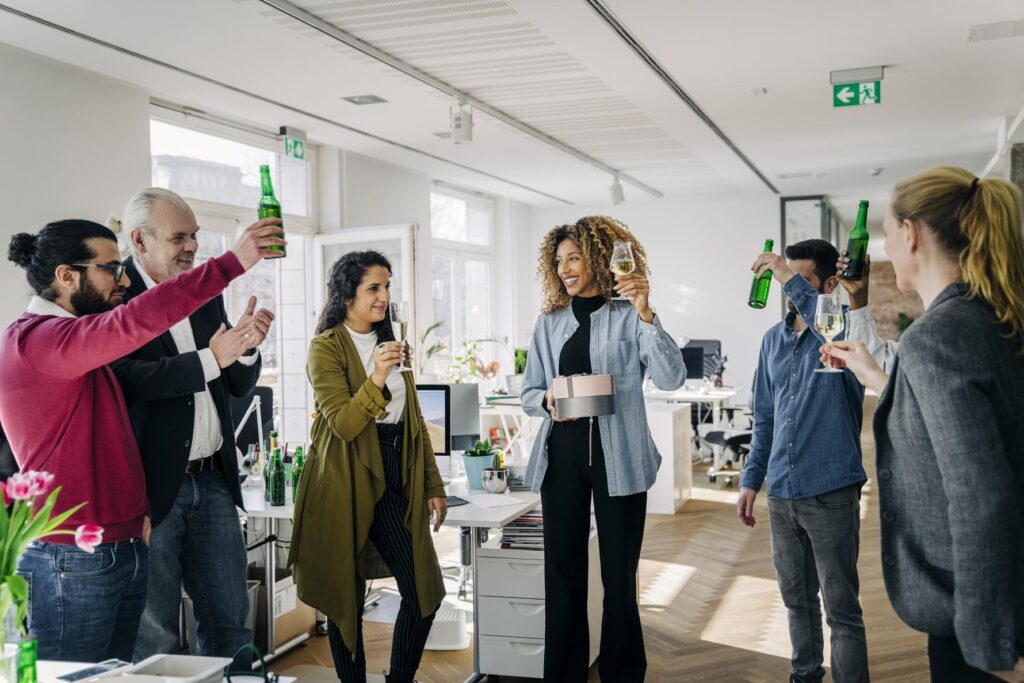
(511, 604)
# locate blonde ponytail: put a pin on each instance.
(978, 220)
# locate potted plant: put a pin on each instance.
(483, 456)
(467, 366)
(25, 517)
(514, 382)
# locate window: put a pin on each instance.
(462, 291)
(200, 165)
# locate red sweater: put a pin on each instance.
(62, 407)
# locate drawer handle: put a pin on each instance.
(529, 649)
(531, 569)
(526, 609)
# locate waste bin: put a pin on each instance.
(252, 588)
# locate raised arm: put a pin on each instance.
(660, 354)
(70, 347)
(346, 409)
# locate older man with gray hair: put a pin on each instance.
(178, 388)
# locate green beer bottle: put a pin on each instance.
(269, 207)
(28, 653)
(857, 247)
(297, 470)
(277, 480)
(759, 287)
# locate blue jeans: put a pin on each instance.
(199, 545)
(85, 607)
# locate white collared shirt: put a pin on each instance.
(206, 429)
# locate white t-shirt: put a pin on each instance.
(365, 343)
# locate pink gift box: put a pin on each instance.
(584, 395)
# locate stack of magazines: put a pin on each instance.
(525, 533)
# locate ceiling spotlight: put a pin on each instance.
(874, 171)
(758, 92)
(618, 196)
(461, 122)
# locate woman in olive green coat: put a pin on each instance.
(370, 478)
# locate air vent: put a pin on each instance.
(365, 99)
(995, 31)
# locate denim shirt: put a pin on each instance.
(806, 424)
(622, 345)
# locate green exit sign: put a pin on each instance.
(855, 94)
(293, 147)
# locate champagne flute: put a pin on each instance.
(828, 321)
(400, 327)
(622, 262)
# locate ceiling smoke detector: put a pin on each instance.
(758, 92)
(875, 171)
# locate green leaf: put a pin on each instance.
(18, 587)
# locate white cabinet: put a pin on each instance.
(672, 433)
(511, 608)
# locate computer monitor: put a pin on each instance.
(435, 402)
(465, 416)
(693, 357)
(712, 354)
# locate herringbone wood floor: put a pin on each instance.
(709, 603)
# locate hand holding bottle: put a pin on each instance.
(857, 289)
(255, 242)
(775, 263)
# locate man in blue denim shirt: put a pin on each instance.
(807, 442)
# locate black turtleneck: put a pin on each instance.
(575, 356)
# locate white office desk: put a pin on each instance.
(257, 507)
(483, 518)
(717, 398)
(48, 670)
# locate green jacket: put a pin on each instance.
(343, 480)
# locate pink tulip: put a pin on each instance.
(43, 482)
(88, 536)
(21, 486)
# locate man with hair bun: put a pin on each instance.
(63, 412)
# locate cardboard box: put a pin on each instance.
(292, 617)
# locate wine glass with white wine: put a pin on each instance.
(828, 321)
(400, 327)
(622, 262)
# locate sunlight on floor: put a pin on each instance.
(751, 616)
(667, 583)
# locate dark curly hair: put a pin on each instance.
(58, 243)
(343, 282)
(596, 237)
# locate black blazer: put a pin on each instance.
(159, 384)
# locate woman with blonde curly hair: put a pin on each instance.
(582, 330)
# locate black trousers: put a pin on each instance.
(566, 493)
(948, 665)
(394, 543)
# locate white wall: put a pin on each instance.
(700, 252)
(75, 145)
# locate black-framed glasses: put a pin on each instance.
(115, 269)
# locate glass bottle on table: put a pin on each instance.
(297, 470)
(622, 262)
(400, 327)
(828, 321)
(857, 246)
(277, 480)
(269, 207)
(762, 283)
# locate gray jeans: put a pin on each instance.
(815, 543)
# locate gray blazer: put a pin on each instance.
(950, 440)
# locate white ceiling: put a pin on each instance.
(555, 65)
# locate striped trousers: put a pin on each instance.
(393, 541)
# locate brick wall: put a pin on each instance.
(887, 302)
